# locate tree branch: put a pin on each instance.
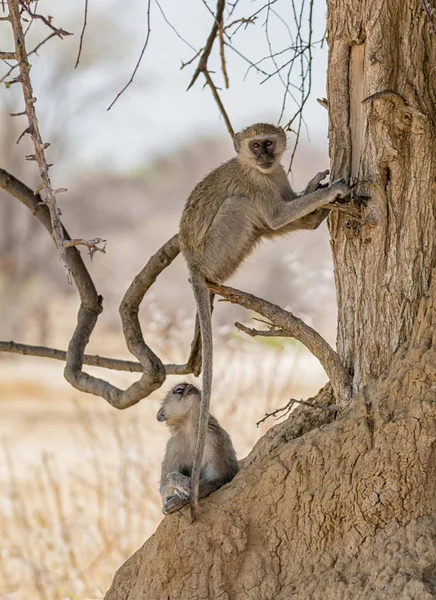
(33, 129)
(294, 327)
(144, 47)
(93, 360)
(153, 371)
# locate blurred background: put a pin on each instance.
(78, 480)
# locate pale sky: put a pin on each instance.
(157, 112)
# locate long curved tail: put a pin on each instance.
(202, 298)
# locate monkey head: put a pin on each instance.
(260, 145)
(180, 401)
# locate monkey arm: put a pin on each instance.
(304, 205)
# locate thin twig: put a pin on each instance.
(173, 28)
(289, 406)
(219, 103)
(139, 59)
(85, 23)
(34, 51)
(92, 245)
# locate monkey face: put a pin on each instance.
(179, 401)
(263, 151)
(261, 145)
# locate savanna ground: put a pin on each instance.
(79, 480)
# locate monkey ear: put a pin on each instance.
(160, 415)
(237, 141)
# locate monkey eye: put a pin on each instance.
(268, 143)
(255, 145)
(179, 389)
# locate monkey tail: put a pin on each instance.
(202, 298)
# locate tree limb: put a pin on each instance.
(293, 326)
(93, 360)
(153, 371)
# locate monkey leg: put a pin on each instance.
(194, 360)
(175, 482)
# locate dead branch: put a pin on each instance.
(29, 100)
(218, 29)
(92, 245)
(82, 34)
(144, 47)
(296, 328)
(153, 371)
(93, 360)
(202, 64)
(46, 20)
(219, 103)
(8, 55)
(290, 405)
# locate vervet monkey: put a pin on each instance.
(245, 199)
(181, 411)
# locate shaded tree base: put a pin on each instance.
(322, 510)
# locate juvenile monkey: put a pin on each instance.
(181, 410)
(226, 215)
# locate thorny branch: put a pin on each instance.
(152, 369)
(33, 130)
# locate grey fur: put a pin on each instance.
(181, 410)
(226, 215)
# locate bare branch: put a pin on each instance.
(202, 65)
(47, 21)
(29, 100)
(93, 360)
(92, 245)
(290, 405)
(219, 103)
(153, 371)
(82, 34)
(139, 59)
(261, 333)
(8, 56)
(222, 54)
(34, 51)
(295, 327)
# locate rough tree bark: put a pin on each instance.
(344, 508)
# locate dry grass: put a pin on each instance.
(79, 481)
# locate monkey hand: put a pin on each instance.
(341, 190)
(174, 503)
(315, 182)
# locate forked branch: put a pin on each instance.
(153, 371)
(286, 324)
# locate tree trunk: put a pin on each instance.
(345, 508)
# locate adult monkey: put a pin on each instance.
(245, 199)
